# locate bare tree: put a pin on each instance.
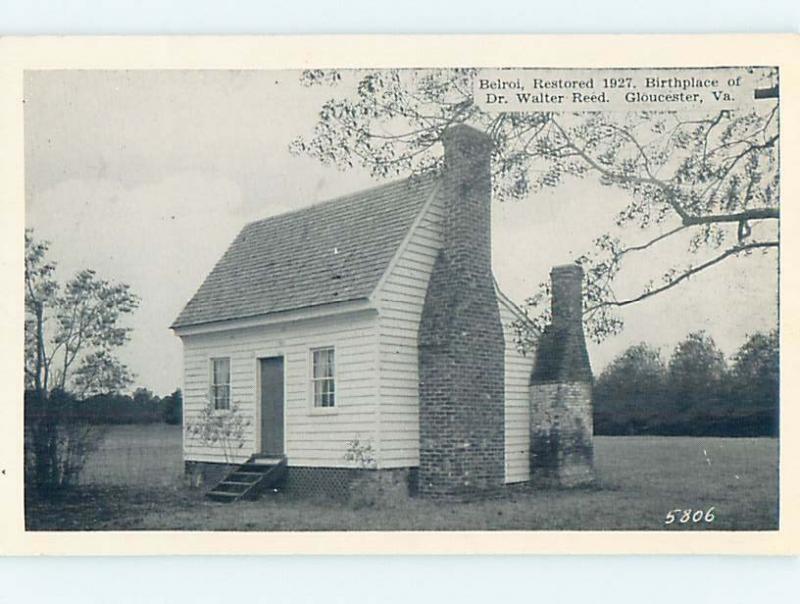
(711, 179)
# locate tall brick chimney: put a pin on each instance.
(461, 345)
(561, 426)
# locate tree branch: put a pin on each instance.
(669, 195)
(685, 275)
(754, 214)
(686, 218)
(644, 246)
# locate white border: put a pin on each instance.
(249, 52)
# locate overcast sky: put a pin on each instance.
(148, 176)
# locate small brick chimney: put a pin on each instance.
(461, 344)
(561, 426)
(566, 286)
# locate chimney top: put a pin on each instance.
(566, 281)
(567, 270)
(460, 134)
(562, 355)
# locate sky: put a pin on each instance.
(147, 176)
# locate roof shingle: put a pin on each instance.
(330, 252)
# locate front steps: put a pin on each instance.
(250, 479)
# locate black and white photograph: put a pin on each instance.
(505, 298)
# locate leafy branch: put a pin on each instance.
(712, 177)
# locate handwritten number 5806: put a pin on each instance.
(684, 516)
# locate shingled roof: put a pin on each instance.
(334, 251)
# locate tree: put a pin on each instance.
(697, 394)
(143, 396)
(172, 408)
(696, 373)
(755, 376)
(631, 388)
(711, 179)
(71, 335)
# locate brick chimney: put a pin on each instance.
(561, 426)
(461, 345)
(566, 286)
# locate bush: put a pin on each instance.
(224, 430)
(58, 440)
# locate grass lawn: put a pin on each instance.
(134, 483)
(137, 456)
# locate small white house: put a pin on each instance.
(371, 319)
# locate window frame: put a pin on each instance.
(322, 409)
(213, 386)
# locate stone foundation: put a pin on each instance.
(561, 450)
(360, 486)
(352, 484)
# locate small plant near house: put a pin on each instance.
(218, 428)
(367, 490)
(361, 454)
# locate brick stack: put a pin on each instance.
(461, 345)
(561, 450)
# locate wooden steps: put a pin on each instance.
(250, 479)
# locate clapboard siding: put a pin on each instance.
(517, 374)
(313, 437)
(377, 374)
(400, 300)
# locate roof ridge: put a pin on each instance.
(345, 197)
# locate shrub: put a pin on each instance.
(58, 440)
(223, 429)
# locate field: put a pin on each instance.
(138, 456)
(134, 482)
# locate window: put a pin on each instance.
(221, 383)
(322, 380)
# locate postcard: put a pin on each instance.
(434, 294)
